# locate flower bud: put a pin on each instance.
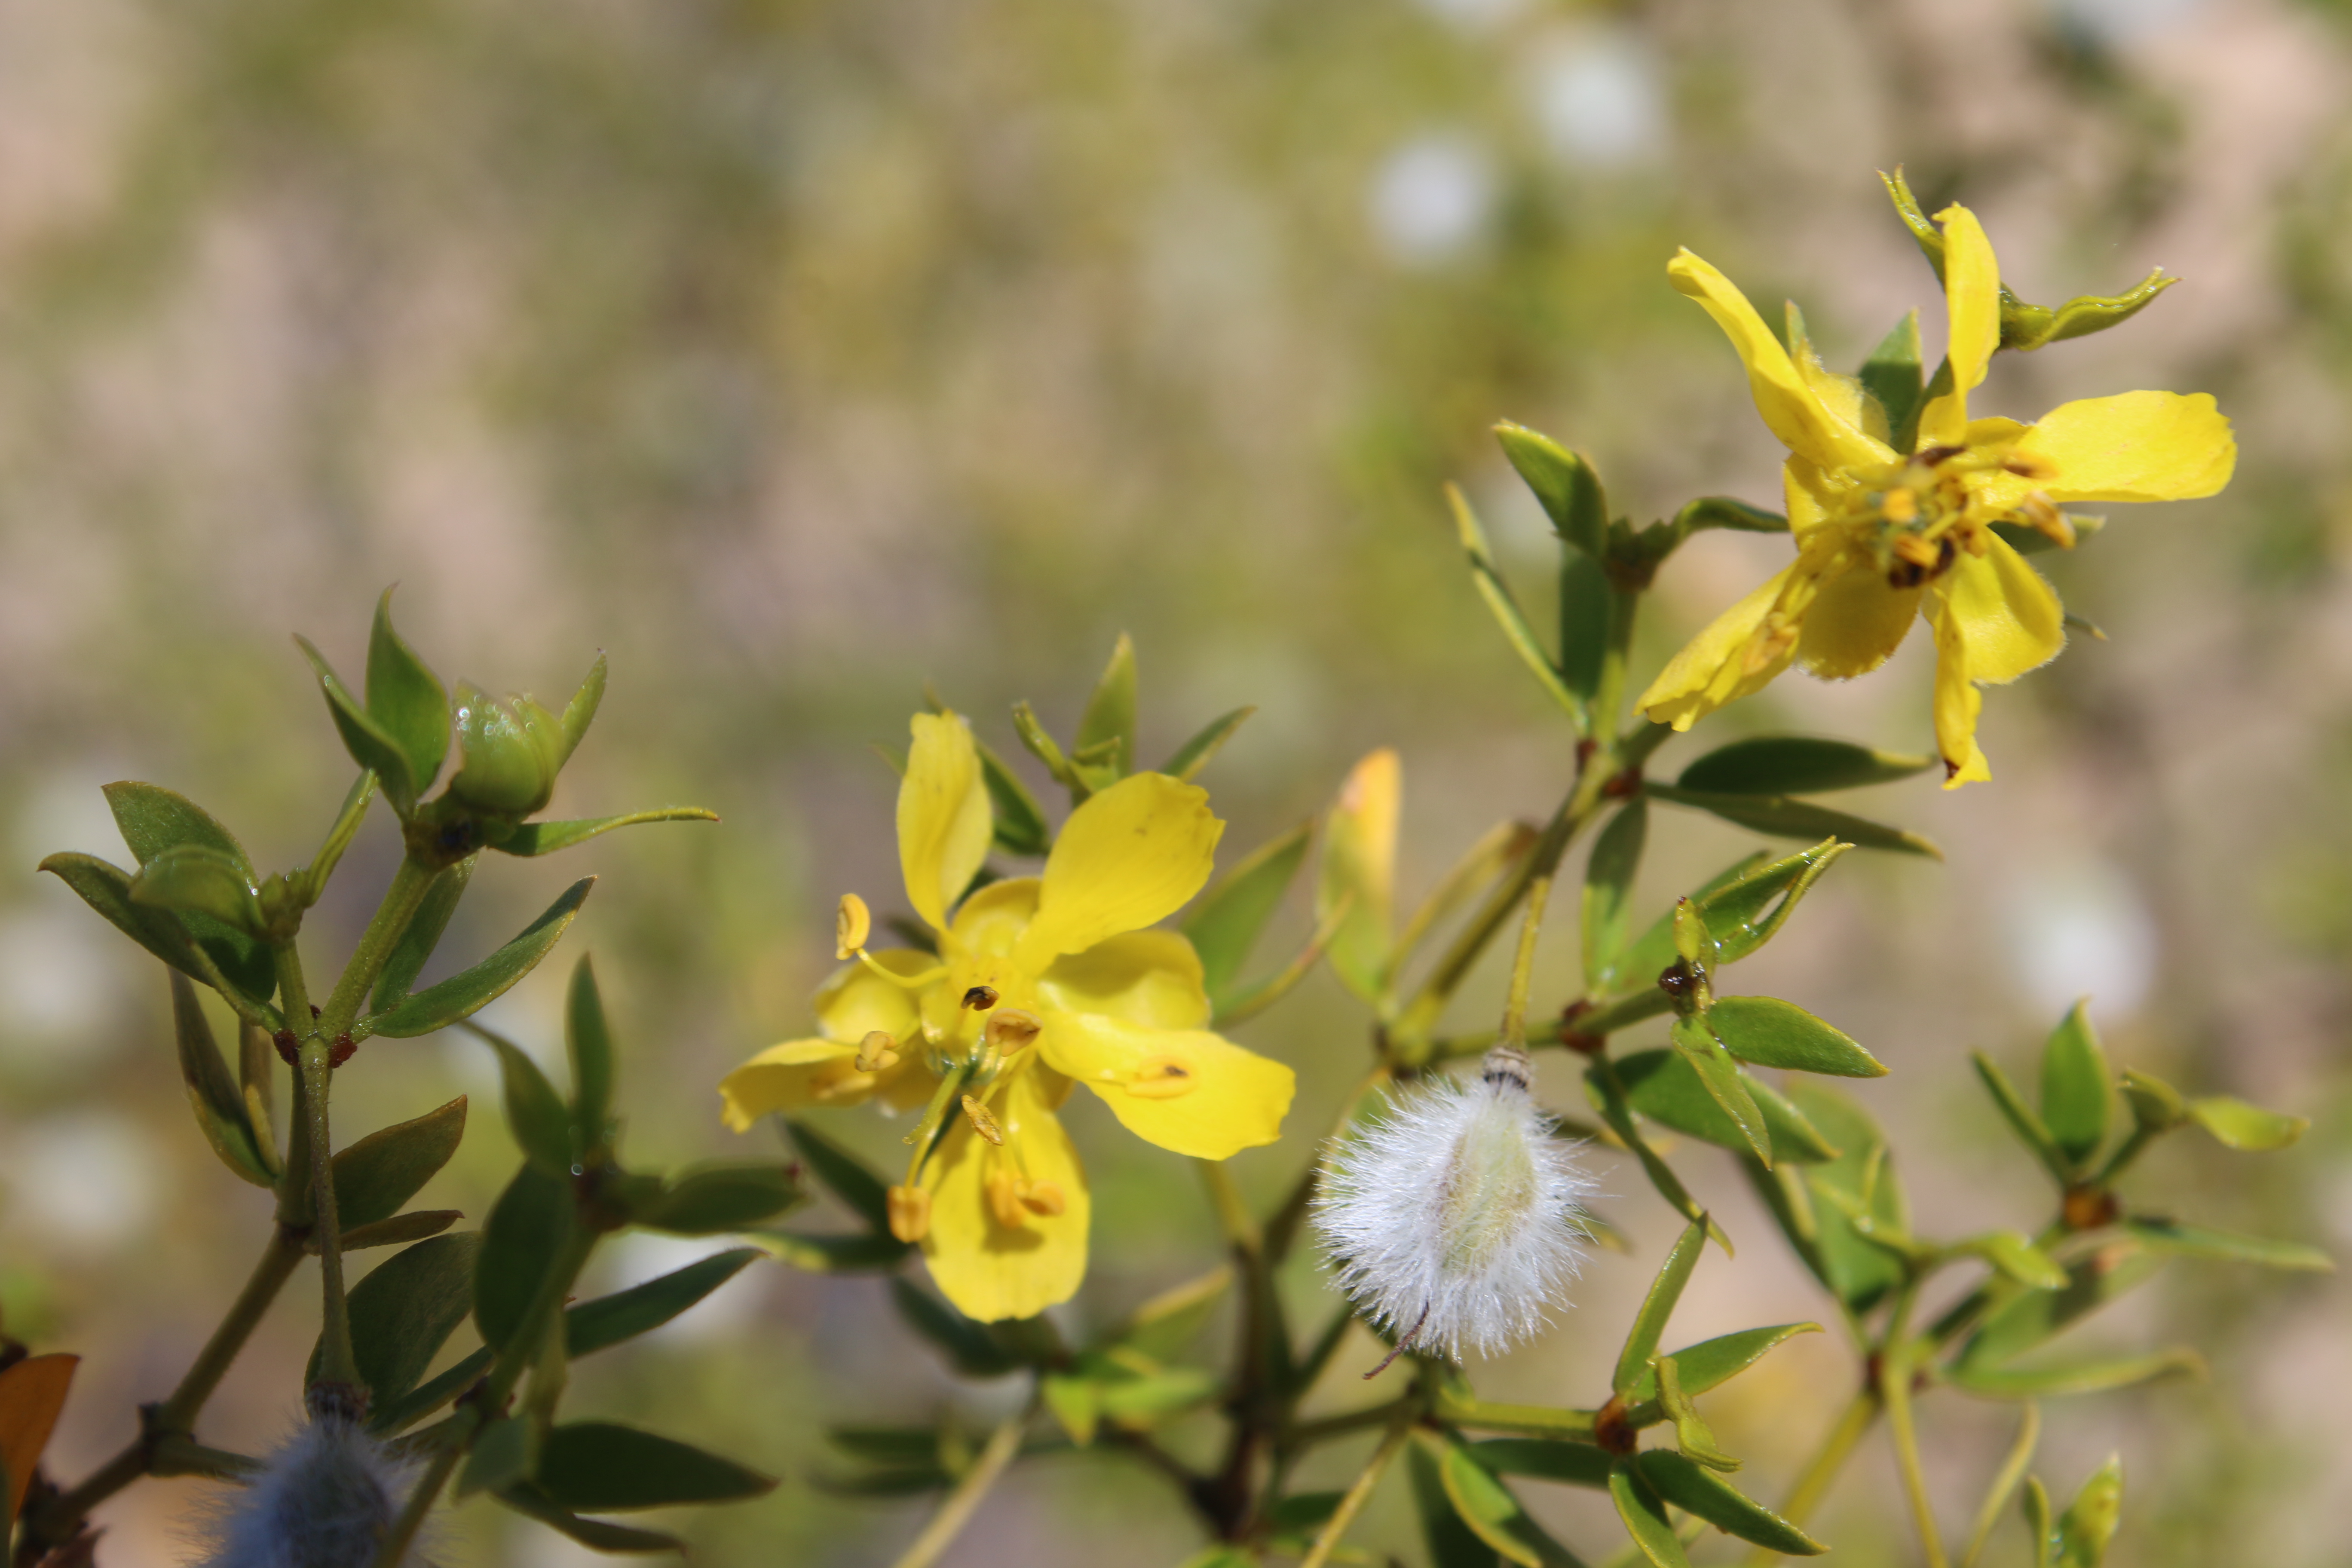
(510, 751)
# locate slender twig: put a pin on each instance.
(1352, 1503)
(385, 929)
(1894, 1390)
(1309, 1432)
(1514, 1031)
(1827, 1462)
(2012, 1471)
(970, 1489)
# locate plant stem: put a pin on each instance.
(336, 1363)
(1309, 1432)
(2012, 1470)
(970, 1489)
(1353, 1502)
(1814, 1484)
(385, 929)
(1514, 1031)
(1895, 1391)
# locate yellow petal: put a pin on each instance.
(2010, 619)
(1972, 303)
(989, 1269)
(1131, 854)
(1147, 977)
(790, 1077)
(1855, 625)
(944, 824)
(1956, 701)
(2135, 445)
(1810, 494)
(1711, 670)
(1792, 410)
(854, 1001)
(1185, 1089)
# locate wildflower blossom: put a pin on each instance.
(325, 1500)
(1882, 535)
(1039, 984)
(1456, 1217)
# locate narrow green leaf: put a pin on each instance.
(589, 1041)
(844, 1175)
(406, 1309)
(1696, 1489)
(2092, 1281)
(1654, 950)
(1608, 1098)
(1497, 1517)
(372, 746)
(1488, 580)
(505, 1453)
(1723, 1080)
(2227, 1246)
(153, 819)
(2156, 1105)
(169, 936)
(1894, 376)
(1644, 1516)
(1195, 753)
(1790, 818)
(1609, 887)
(1563, 481)
(1020, 820)
(1797, 764)
(1666, 1088)
(1109, 718)
(2088, 1525)
(2075, 1093)
(2022, 1121)
(397, 1231)
(713, 1200)
(1748, 911)
(2084, 1377)
(1588, 607)
(1226, 925)
(406, 700)
(1649, 1322)
(311, 879)
(969, 1346)
(1723, 512)
(1857, 1271)
(1041, 744)
(462, 995)
(547, 837)
(214, 1098)
(580, 712)
(2035, 1506)
(2017, 1257)
(608, 1468)
(1545, 1460)
(536, 1114)
(1451, 1544)
(608, 1321)
(596, 1534)
(860, 1253)
(1771, 1033)
(194, 881)
(256, 1077)
(423, 933)
(2238, 1125)
(376, 1175)
(526, 1229)
(1710, 1363)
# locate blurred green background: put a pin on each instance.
(798, 353)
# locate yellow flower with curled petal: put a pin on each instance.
(1882, 535)
(1040, 983)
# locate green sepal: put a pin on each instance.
(1797, 764)
(107, 888)
(1768, 1032)
(406, 700)
(2226, 1246)
(607, 1467)
(1020, 820)
(596, 1534)
(1719, 1074)
(2235, 1124)
(1040, 741)
(1226, 925)
(1893, 375)
(2075, 1092)
(1195, 753)
(1692, 1435)
(1649, 1322)
(1488, 580)
(1662, 1086)
(527, 1229)
(1696, 1489)
(406, 1309)
(969, 1346)
(2022, 1119)
(464, 993)
(2083, 1377)
(376, 1175)
(1643, 1513)
(718, 1200)
(1109, 717)
(530, 838)
(371, 745)
(1563, 482)
(214, 1096)
(1608, 890)
(1786, 818)
(1487, 1506)
(2156, 1105)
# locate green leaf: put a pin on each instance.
(1892, 376)
(1797, 764)
(1723, 1080)
(1723, 512)
(1488, 580)
(2036, 1317)
(526, 1231)
(1609, 887)
(1600, 1085)
(1858, 1272)
(1109, 718)
(607, 1467)
(608, 1321)
(2036, 1505)
(406, 700)
(2156, 1105)
(546, 837)
(2075, 1088)
(1040, 741)
(1451, 1543)
(399, 1230)
(2238, 1125)
(1020, 820)
(311, 879)
(2017, 1257)
(1563, 481)
(713, 1200)
(154, 821)
(844, 1175)
(1713, 1362)
(1666, 1088)
(1544, 1459)
(1654, 950)
(535, 1112)
(1226, 925)
(1768, 1031)
(1696, 1489)
(2198, 1241)
(406, 1309)
(580, 712)
(106, 889)
(589, 1041)
(2022, 1121)
(596, 1534)
(1644, 1516)
(1588, 606)
(968, 1345)
(2086, 1377)
(862, 1254)
(423, 933)
(214, 1097)
(1483, 1502)
(371, 745)
(1790, 818)
(462, 995)
(1195, 753)
(194, 881)
(376, 1175)
(1649, 1322)
(1748, 910)
(2088, 1525)
(505, 1452)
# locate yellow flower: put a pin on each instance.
(1881, 535)
(1041, 982)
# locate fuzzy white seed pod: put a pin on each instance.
(1456, 1217)
(325, 1500)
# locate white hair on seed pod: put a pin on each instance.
(1456, 1217)
(324, 1499)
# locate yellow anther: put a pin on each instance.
(1917, 550)
(982, 1122)
(1043, 1197)
(1004, 1200)
(878, 1053)
(2039, 511)
(911, 1213)
(1010, 1028)
(980, 998)
(1163, 1077)
(1899, 506)
(853, 922)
